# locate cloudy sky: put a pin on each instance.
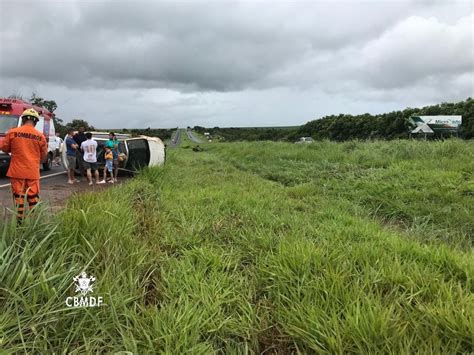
(224, 63)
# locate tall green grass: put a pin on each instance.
(426, 189)
(249, 248)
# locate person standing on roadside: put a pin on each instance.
(108, 166)
(71, 152)
(28, 148)
(113, 144)
(89, 148)
(79, 138)
(57, 152)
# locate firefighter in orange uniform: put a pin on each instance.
(28, 148)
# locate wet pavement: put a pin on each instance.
(54, 190)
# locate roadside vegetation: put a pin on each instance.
(251, 247)
(340, 127)
(344, 127)
(162, 133)
(236, 134)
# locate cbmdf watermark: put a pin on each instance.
(84, 285)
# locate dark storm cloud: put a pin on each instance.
(189, 46)
(234, 63)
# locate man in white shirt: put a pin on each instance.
(57, 152)
(89, 148)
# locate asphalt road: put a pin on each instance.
(176, 139)
(53, 186)
(47, 177)
(192, 137)
(54, 190)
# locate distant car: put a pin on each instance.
(305, 140)
(138, 152)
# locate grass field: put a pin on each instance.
(257, 247)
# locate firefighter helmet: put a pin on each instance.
(31, 114)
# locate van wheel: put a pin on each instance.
(49, 163)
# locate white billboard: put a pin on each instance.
(439, 123)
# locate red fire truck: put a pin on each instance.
(10, 112)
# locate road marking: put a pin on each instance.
(42, 177)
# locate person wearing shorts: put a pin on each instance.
(109, 166)
(89, 149)
(113, 144)
(57, 152)
(71, 149)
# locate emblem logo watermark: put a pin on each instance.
(84, 285)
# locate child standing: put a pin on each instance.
(109, 161)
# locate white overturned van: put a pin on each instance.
(138, 151)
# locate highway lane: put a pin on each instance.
(45, 175)
(54, 190)
(176, 139)
(192, 137)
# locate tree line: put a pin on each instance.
(392, 125)
(232, 134)
(62, 127)
(162, 133)
(59, 124)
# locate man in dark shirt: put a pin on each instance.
(71, 151)
(80, 137)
